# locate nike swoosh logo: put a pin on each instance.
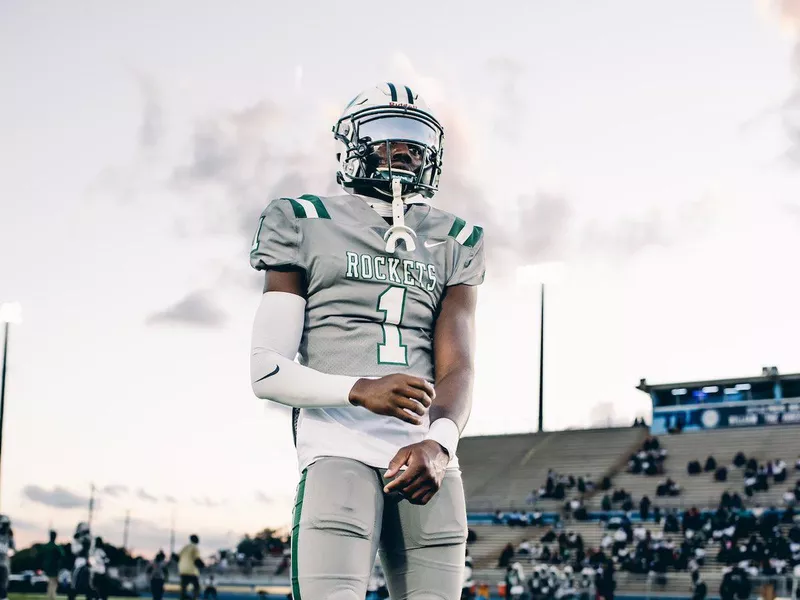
(432, 244)
(277, 368)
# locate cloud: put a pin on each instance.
(602, 415)
(170, 499)
(141, 494)
(234, 161)
(196, 309)
(509, 105)
(207, 502)
(787, 13)
(58, 497)
(114, 490)
(534, 226)
(263, 498)
(152, 126)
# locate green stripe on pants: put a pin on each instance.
(298, 509)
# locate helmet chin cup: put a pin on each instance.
(397, 233)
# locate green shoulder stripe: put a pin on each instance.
(474, 237)
(322, 212)
(464, 233)
(308, 207)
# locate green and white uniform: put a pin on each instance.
(368, 313)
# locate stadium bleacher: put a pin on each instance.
(501, 471)
(701, 490)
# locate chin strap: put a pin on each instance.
(398, 231)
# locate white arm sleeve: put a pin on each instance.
(277, 330)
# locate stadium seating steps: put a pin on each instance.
(501, 471)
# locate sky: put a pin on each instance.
(641, 157)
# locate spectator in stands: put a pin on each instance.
(605, 504)
(644, 508)
(721, 474)
(779, 471)
(699, 587)
(604, 581)
(797, 468)
(627, 504)
(711, 464)
(693, 467)
(739, 460)
(668, 487)
(657, 515)
(671, 524)
(692, 521)
(750, 482)
(506, 555)
(735, 585)
(762, 479)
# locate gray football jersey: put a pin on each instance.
(368, 312)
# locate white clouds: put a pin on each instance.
(196, 309)
(58, 497)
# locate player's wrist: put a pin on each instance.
(445, 432)
(356, 395)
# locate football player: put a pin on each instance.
(376, 291)
(81, 580)
(7, 548)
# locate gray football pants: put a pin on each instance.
(342, 518)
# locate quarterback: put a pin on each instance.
(374, 292)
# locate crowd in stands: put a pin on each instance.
(754, 540)
(557, 486)
(561, 568)
(553, 583)
(755, 477)
(518, 518)
(649, 459)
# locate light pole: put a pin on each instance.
(10, 312)
(541, 274)
(541, 366)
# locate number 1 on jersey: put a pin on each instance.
(391, 303)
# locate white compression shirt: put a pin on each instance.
(274, 374)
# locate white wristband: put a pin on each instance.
(446, 433)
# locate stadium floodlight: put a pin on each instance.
(10, 312)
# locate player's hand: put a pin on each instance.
(426, 462)
(405, 397)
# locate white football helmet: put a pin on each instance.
(387, 132)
